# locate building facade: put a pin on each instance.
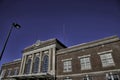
(52, 60)
(10, 69)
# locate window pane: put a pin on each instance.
(85, 63)
(27, 66)
(107, 59)
(45, 64)
(36, 65)
(116, 77)
(67, 66)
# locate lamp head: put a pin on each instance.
(16, 25)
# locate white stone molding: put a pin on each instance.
(103, 52)
(37, 54)
(84, 56)
(45, 52)
(89, 44)
(40, 62)
(95, 73)
(32, 60)
(39, 50)
(49, 60)
(53, 62)
(21, 65)
(24, 62)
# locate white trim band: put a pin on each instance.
(84, 56)
(99, 72)
(66, 59)
(39, 50)
(103, 52)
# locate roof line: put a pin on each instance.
(90, 44)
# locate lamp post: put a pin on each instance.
(14, 25)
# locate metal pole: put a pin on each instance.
(6, 42)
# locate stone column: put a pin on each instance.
(111, 76)
(49, 60)
(24, 61)
(31, 66)
(21, 66)
(53, 63)
(40, 57)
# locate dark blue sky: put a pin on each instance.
(71, 21)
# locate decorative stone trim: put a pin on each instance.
(89, 44)
(37, 54)
(84, 56)
(46, 52)
(98, 72)
(40, 49)
(109, 51)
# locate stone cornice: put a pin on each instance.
(43, 44)
(89, 44)
(89, 73)
(13, 62)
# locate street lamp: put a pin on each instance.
(14, 25)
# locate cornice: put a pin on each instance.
(89, 44)
(40, 44)
(12, 62)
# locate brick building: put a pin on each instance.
(52, 60)
(10, 69)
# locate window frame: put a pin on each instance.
(107, 59)
(86, 64)
(112, 76)
(45, 63)
(87, 77)
(36, 64)
(28, 66)
(67, 66)
(67, 78)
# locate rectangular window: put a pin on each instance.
(116, 77)
(107, 59)
(67, 79)
(85, 63)
(87, 77)
(112, 76)
(67, 66)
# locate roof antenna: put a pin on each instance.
(64, 33)
(36, 36)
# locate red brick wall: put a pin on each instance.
(94, 58)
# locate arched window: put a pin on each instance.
(36, 65)
(27, 66)
(45, 64)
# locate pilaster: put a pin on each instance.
(49, 60)
(21, 65)
(40, 61)
(24, 61)
(53, 63)
(32, 60)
